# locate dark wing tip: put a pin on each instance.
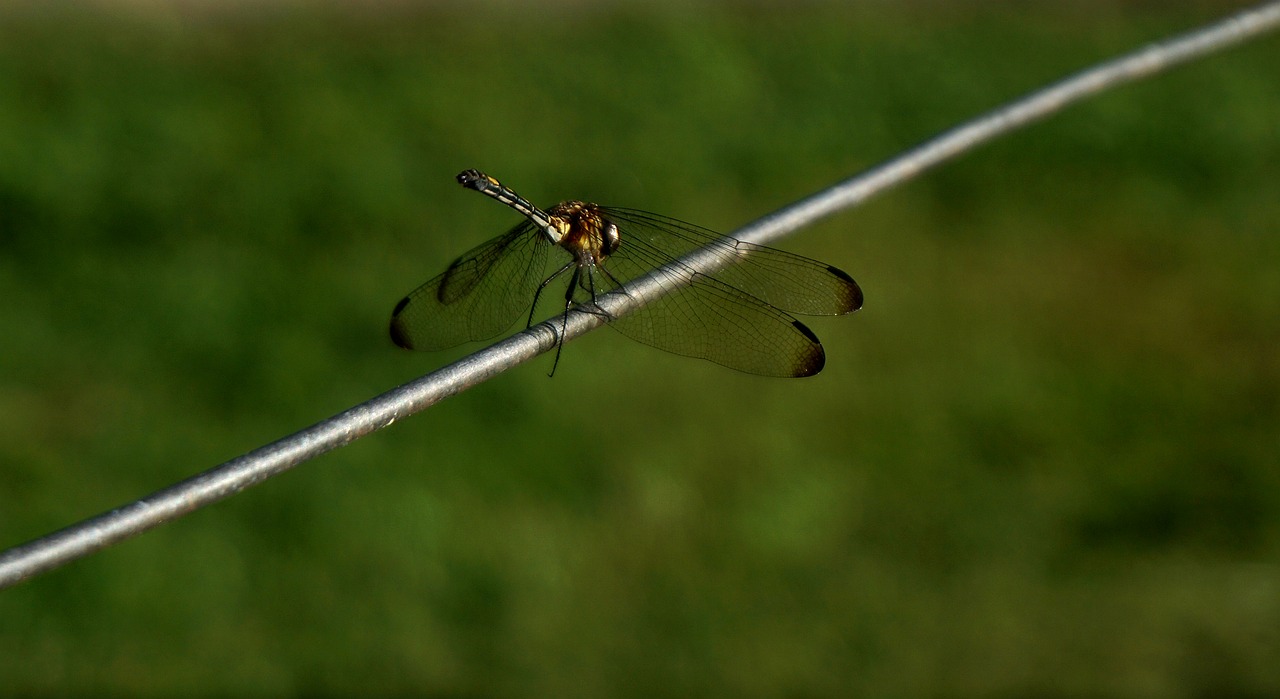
(852, 299)
(399, 334)
(399, 337)
(813, 358)
(804, 330)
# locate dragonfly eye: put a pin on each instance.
(610, 238)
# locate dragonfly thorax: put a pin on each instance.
(585, 231)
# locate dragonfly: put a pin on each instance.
(734, 309)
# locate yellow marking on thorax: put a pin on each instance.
(582, 229)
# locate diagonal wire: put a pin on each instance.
(79, 540)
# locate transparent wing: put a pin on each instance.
(719, 323)
(781, 279)
(478, 296)
(703, 317)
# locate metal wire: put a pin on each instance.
(83, 538)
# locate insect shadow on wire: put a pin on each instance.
(734, 309)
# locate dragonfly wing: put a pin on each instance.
(790, 282)
(478, 296)
(702, 317)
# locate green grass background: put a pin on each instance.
(1043, 460)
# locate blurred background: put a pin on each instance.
(1042, 460)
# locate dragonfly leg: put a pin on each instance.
(589, 285)
(564, 319)
(617, 286)
(542, 286)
